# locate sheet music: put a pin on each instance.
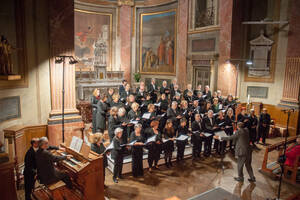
(221, 134)
(132, 143)
(182, 137)
(76, 144)
(221, 124)
(220, 106)
(151, 139)
(207, 134)
(146, 116)
(157, 104)
(203, 96)
(134, 122)
(110, 147)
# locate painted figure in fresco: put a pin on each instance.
(161, 51)
(83, 35)
(6, 65)
(170, 52)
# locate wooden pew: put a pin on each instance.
(270, 168)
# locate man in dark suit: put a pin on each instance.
(125, 94)
(30, 168)
(197, 137)
(209, 124)
(45, 160)
(174, 91)
(243, 151)
(264, 126)
(174, 115)
(152, 89)
(122, 87)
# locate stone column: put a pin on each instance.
(61, 31)
(125, 24)
(291, 87)
(230, 45)
(182, 42)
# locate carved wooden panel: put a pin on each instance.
(203, 45)
(291, 80)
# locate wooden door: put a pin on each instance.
(201, 76)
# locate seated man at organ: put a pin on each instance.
(46, 172)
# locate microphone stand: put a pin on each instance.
(284, 151)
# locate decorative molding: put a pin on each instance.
(205, 29)
(125, 2)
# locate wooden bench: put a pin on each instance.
(291, 178)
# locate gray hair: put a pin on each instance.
(138, 126)
(118, 130)
(121, 111)
(42, 141)
(174, 102)
(210, 111)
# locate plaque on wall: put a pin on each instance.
(200, 45)
(257, 92)
(10, 108)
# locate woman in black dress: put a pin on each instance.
(98, 147)
(220, 121)
(169, 134)
(229, 123)
(94, 100)
(137, 151)
(117, 154)
(154, 147)
(101, 114)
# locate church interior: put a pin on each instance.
(149, 99)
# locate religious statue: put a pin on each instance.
(6, 64)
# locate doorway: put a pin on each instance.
(201, 76)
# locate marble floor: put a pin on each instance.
(190, 178)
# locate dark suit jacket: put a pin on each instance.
(45, 166)
(121, 89)
(117, 149)
(208, 127)
(171, 114)
(30, 162)
(151, 89)
(100, 150)
(242, 140)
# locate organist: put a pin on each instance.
(47, 174)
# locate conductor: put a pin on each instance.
(243, 151)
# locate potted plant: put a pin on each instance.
(137, 77)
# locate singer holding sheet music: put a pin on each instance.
(169, 135)
(137, 151)
(117, 154)
(209, 127)
(229, 123)
(197, 136)
(154, 148)
(182, 130)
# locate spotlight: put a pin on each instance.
(72, 61)
(58, 60)
(249, 62)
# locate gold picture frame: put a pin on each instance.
(110, 15)
(158, 61)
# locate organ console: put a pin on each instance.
(86, 172)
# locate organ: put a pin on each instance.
(86, 172)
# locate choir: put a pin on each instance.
(164, 119)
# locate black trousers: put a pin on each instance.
(118, 165)
(197, 146)
(65, 178)
(207, 145)
(253, 136)
(153, 154)
(180, 149)
(29, 182)
(229, 132)
(137, 161)
(263, 133)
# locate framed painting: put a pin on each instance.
(13, 60)
(158, 42)
(93, 39)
